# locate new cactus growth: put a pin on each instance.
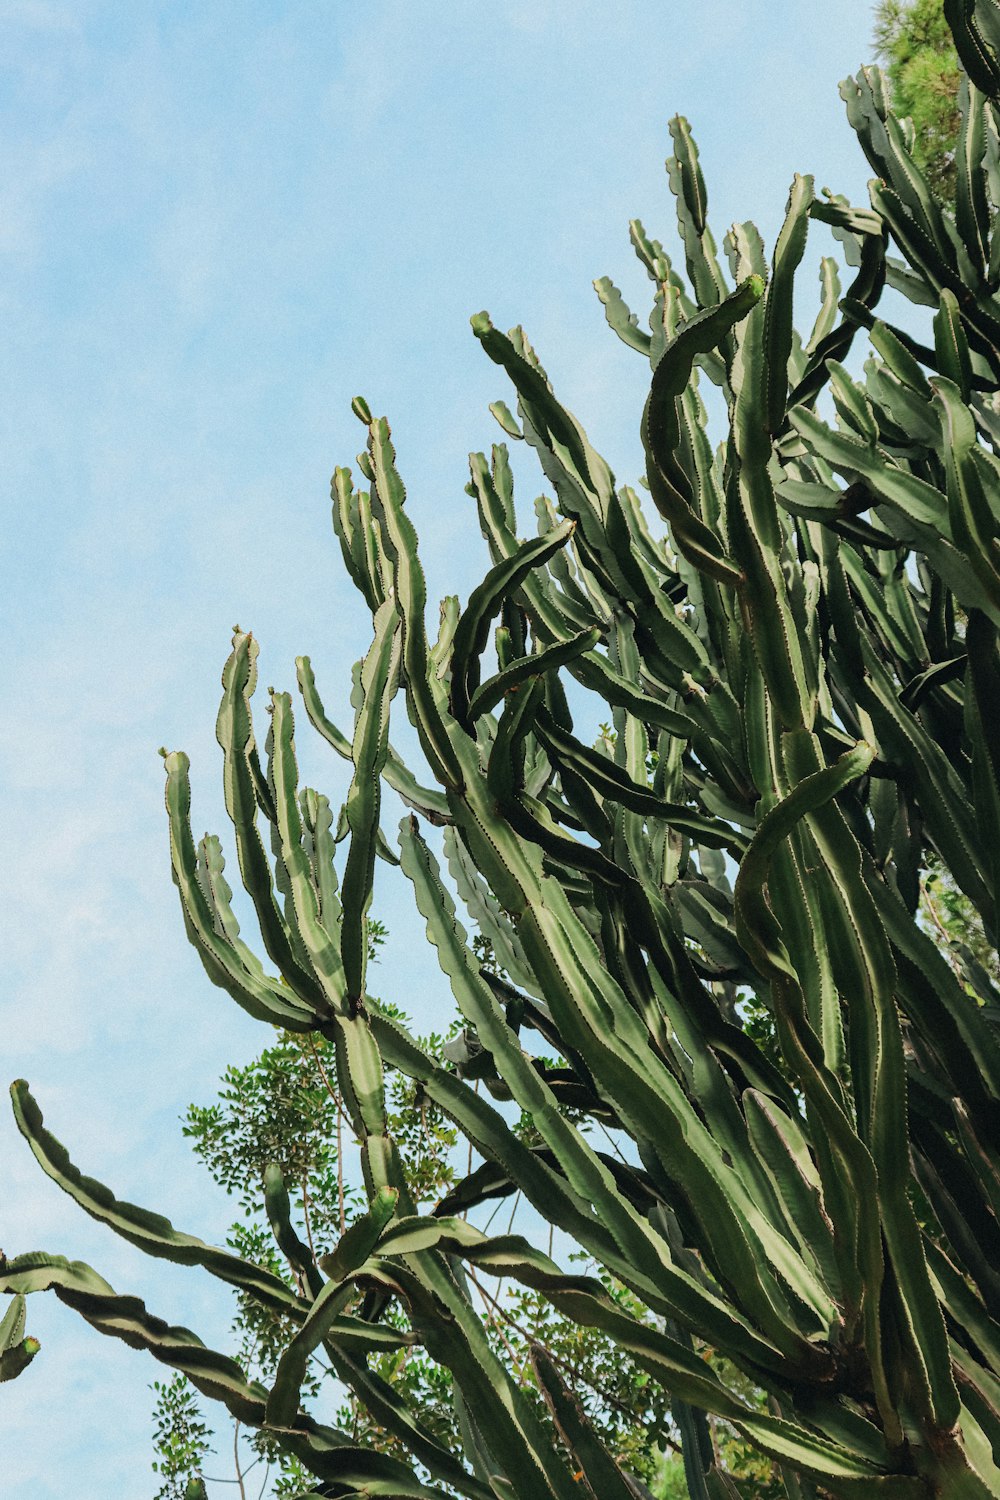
(16, 1349)
(799, 656)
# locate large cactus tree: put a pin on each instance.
(713, 920)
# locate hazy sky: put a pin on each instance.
(218, 222)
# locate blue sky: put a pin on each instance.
(218, 222)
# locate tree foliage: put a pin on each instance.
(913, 38)
(284, 1108)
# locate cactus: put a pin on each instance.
(17, 1349)
(800, 662)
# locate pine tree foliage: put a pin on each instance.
(913, 39)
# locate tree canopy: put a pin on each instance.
(913, 39)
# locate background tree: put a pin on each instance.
(284, 1107)
(913, 39)
(802, 679)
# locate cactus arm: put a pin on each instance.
(472, 630)
(505, 417)
(12, 1324)
(796, 1181)
(965, 1044)
(317, 822)
(556, 614)
(325, 1451)
(620, 318)
(829, 280)
(977, 38)
(411, 601)
(847, 1468)
(688, 187)
(318, 941)
(352, 526)
(483, 1124)
(548, 659)
(777, 334)
(919, 760)
(849, 1177)
(852, 404)
(903, 356)
(151, 1232)
(696, 1165)
(951, 348)
(16, 1359)
(964, 1307)
(392, 1413)
(911, 495)
(585, 1171)
(489, 1181)
(16, 1350)
(921, 252)
(974, 523)
(983, 719)
(518, 1446)
(881, 138)
(595, 672)
(279, 1213)
(650, 253)
(211, 877)
(756, 539)
(349, 1340)
(863, 293)
(606, 779)
(243, 788)
(946, 560)
(559, 433)
(314, 708)
(80, 1287)
(661, 429)
(578, 594)
(360, 1240)
(591, 1457)
(249, 987)
(355, 1246)
(371, 743)
(430, 803)
(871, 975)
(484, 909)
(587, 495)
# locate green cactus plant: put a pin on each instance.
(800, 663)
(17, 1349)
